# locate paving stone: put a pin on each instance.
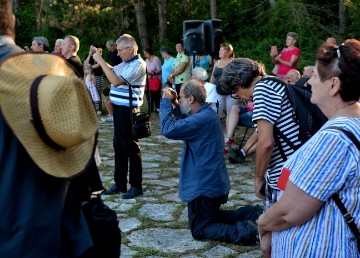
(165, 240)
(252, 254)
(249, 197)
(172, 197)
(153, 157)
(158, 212)
(218, 251)
(127, 225)
(126, 252)
(184, 215)
(150, 165)
(125, 207)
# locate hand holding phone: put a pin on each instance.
(274, 51)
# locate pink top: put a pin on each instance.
(286, 56)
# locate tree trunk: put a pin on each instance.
(186, 5)
(16, 6)
(272, 2)
(140, 19)
(162, 20)
(213, 8)
(40, 17)
(341, 17)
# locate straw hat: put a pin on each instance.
(50, 111)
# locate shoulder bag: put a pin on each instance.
(141, 123)
(347, 216)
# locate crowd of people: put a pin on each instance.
(299, 217)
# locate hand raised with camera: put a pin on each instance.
(171, 94)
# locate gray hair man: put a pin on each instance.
(127, 149)
(204, 180)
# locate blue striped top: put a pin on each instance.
(271, 104)
(326, 164)
(134, 71)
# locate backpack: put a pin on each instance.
(306, 114)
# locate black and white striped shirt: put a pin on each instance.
(271, 104)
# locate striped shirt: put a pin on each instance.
(133, 71)
(328, 162)
(271, 104)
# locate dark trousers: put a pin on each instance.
(207, 221)
(126, 149)
(155, 100)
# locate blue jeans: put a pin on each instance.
(126, 149)
(245, 118)
(207, 221)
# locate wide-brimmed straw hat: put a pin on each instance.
(50, 111)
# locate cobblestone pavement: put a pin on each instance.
(155, 224)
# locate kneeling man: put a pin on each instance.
(204, 180)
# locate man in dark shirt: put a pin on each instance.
(69, 49)
(113, 54)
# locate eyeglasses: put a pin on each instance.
(121, 49)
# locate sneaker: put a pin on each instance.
(133, 192)
(109, 119)
(114, 189)
(236, 157)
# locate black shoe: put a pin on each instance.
(236, 156)
(133, 192)
(113, 190)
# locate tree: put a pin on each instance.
(213, 10)
(341, 17)
(141, 23)
(162, 20)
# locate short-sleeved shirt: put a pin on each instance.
(271, 104)
(154, 65)
(328, 163)
(185, 75)
(166, 68)
(133, 71)
(286, 56)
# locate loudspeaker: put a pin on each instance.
(213, 35)
(194, 38)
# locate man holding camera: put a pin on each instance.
(127, 149)
(204, 180)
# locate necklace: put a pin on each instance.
(352, 103)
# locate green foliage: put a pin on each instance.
(251, 26)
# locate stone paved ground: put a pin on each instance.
(155, 224)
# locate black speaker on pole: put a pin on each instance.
(213, 35)
(194, 37)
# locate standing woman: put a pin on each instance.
(167, 66)
(226, 55)
(98, 72)
(288, 57)
(180, 72)
(153, 65)
(306, 222)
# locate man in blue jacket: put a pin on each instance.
(204, 179)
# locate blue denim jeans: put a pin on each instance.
(245, 118)
(207, 221)
(127, 149)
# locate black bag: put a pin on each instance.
(104, 229)
(307, 115)
(141, 125)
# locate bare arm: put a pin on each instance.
(180, 70)
(288, 63)
(107, 69)
(212, 78)
(294, 208)
(264, 150)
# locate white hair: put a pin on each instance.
(200, 73)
